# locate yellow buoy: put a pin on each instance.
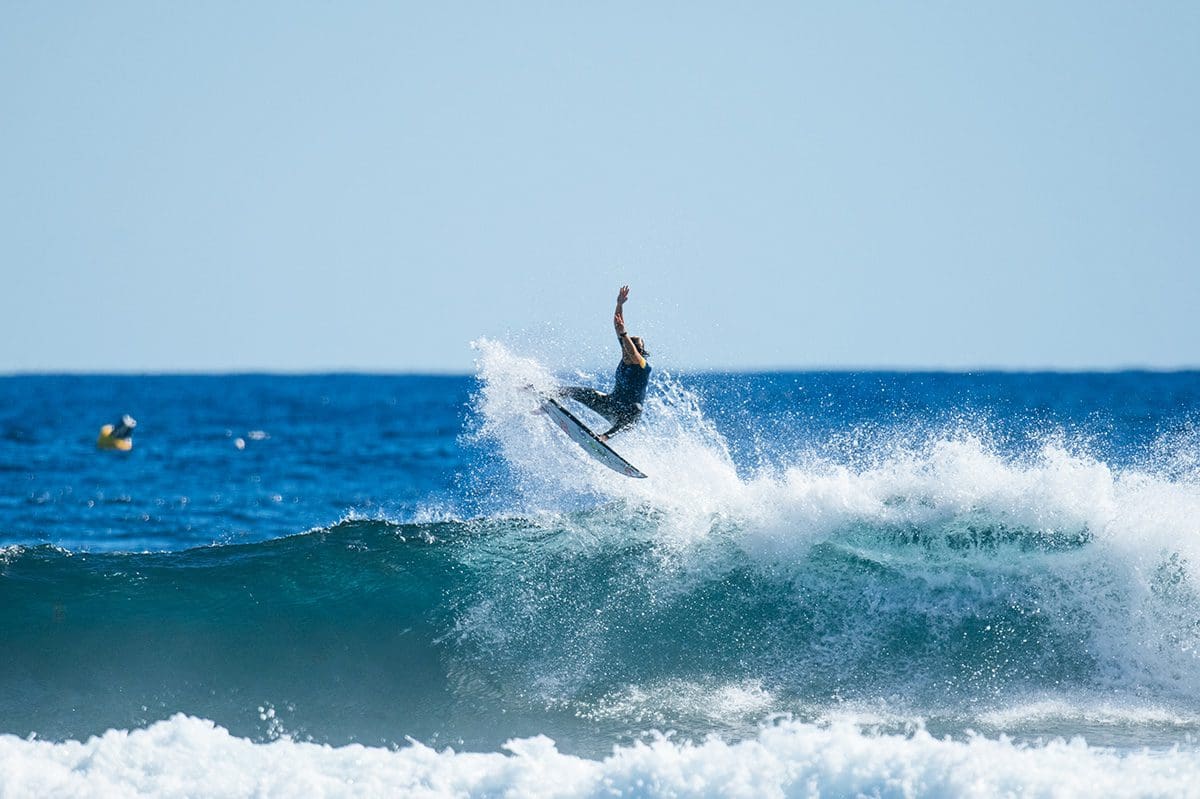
(117, 436)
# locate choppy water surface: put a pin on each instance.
(957, 583)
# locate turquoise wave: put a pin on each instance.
(582, 626)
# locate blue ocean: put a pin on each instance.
(831, 584)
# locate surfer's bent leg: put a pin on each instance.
(597, 401)
(624, 418)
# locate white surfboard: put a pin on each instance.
(578, 432)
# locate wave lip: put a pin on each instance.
(174, 758)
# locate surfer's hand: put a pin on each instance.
(622, 295)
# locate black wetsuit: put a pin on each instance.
(623, 406)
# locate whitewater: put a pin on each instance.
(830, 585)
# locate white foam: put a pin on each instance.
(722, 705)
(187, 757)
(1092, 711)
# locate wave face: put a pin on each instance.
(945, 605)
(818, 563)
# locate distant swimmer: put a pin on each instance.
(117, 436)
(623, 406)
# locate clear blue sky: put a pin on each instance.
(310, 186)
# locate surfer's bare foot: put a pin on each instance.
(602, 437)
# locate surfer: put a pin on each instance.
(117, 436)
(623, 406)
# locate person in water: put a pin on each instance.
(623, 406)
(118, 436)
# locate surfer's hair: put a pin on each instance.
(641, 345)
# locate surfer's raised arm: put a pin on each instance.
(619, 314)
(629, 349)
